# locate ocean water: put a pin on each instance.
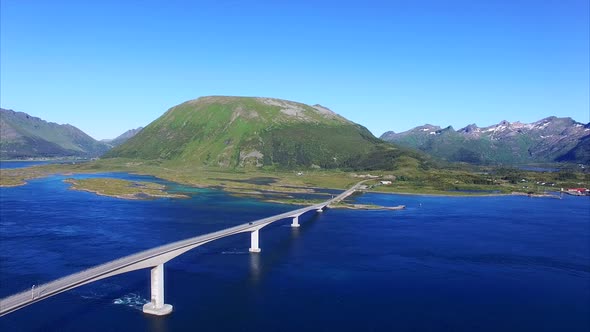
(442, 264)
(21, 164)
(538, 169)
(28, 163)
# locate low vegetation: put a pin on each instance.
(407, 178)
(20, 176)
(121, 188)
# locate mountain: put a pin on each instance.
(255, 132)
(26, 136)
(547, 140)
(579, 153)
(123, 137)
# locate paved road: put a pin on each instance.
(146, 259)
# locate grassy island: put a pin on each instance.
(19, 176)
(121, 188)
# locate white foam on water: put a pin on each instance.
(131, 300)
(91, 296)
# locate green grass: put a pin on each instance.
(20, 176)
(221, 131)
(121, 188)
(409, 177)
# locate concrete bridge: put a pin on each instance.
(154, 259)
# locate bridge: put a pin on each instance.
(154, 259)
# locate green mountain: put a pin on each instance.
(547, 140)
(25, 136)
(260, 132)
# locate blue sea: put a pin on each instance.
(25, 163)
(442, 264)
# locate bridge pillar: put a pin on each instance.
(254, 242)
(157, 306)
(320, 209)
(295, 222)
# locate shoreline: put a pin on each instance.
(130, 196)
(141, 190)
(251, 193)
(134, 197)
(45, 159)
(255, 190)
(13, 185)
(367, 207)
(466, 194)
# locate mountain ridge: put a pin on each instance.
(26, 136)
(122, 138)
(546, 140)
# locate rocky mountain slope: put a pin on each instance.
(123, 137)
(580, 152)
(26, 136)
(547, 140)
(255, 132)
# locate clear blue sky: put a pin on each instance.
(108, 66)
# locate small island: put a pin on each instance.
(122, 188)
(19, 176)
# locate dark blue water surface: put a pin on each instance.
(21, 164)
(538, 169)
(29, 163)
(443, 264)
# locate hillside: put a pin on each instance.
(547, 140)
(260, 132)
(123, 137)
(26, 136)
(580, 152)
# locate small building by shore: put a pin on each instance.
(578, 191)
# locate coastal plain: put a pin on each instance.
(281, 183)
